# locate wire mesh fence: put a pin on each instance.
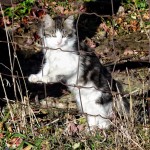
(16, 81)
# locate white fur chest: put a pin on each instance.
(61, 62)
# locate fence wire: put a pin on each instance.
(16, 84)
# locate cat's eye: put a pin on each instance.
(65, 33)
(52, 33)
(46, 33)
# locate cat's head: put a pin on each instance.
(58, 31)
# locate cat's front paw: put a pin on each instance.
(104, 124)
(33, 78)
(46, 79)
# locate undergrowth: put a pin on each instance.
(25, 125)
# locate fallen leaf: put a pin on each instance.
(81, 127)
(1, 135)
(25, 20)
(119, 20)
(60, 9)
(14, 142)
(146, 16)
(1, 125)
(90, 43)
(104, 26)
(82, 8)
(40, 13)
(53, 3)
(29, 41)
(72, 128)
(66, 12)
(130, 52)
(133, 22)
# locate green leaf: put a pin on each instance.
(76, 145)
(38, 142)
(19, 135)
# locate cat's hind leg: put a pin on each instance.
(98, 115)
(95, 106)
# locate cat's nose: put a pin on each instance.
(59, 42)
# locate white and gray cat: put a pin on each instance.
(76, 64)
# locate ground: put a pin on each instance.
(45, 116)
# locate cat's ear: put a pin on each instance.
(69, 21)
(47, 21)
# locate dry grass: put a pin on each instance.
(25, 124)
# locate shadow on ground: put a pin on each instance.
(14, 88)
(30, 65)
